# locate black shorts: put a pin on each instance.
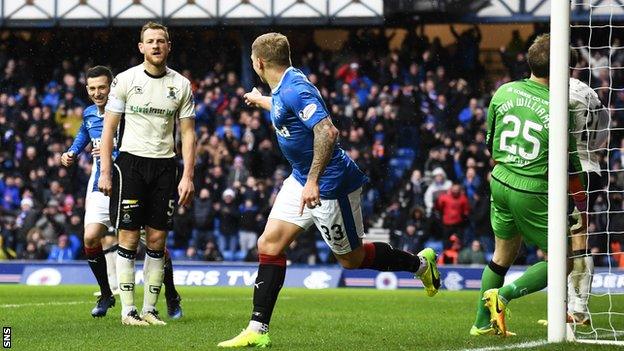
(143, 192)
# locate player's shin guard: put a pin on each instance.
(111, 266)
(97, 262)
(153, 272)
(534, 279)
(383, 257)
(493, 277)
(170, 290)
(271, 274)
(125, 277)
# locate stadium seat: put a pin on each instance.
(405, 153)
(436, 245)
(228, 255)
(177, 254)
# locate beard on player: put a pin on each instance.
(157, 56)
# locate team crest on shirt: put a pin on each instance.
(172, 93)
(307, 112)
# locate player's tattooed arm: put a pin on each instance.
(325, 135)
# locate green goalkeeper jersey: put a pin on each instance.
(518, 118)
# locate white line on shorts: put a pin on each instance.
(523, 345)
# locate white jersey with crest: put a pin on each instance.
(150, 105)
(591, 124)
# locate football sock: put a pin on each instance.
(493, 277)
(579, 282)
(97, 262)
(382, 257)
(534, 279)
(271, 274)
(170, 290)
(111, 267)
(153, 273)
(125, 277)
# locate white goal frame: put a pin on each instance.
(558, 169)
(558, 329)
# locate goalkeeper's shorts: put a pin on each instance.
(518, 212)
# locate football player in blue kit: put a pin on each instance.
(97, 220)
(324, 189)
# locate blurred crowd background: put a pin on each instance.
(412, 116)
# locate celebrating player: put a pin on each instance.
(97, 219)
(591, 120)
(518, 118)
(148, 99)
(97, 222)
(324, 189)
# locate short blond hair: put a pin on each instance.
(154, 25)
(538, 56)
(273, 48)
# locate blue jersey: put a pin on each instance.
(91, 132)
(296, 107)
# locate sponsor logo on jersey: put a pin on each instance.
(138, 89)
(307, 112)
(152, 110)
(283, 132)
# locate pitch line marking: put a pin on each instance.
(523, 345)
(67, 303)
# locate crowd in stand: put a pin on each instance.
(414, 120)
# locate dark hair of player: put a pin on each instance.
(273, 49)
(154, 25)
(99, 71)
(539, 56)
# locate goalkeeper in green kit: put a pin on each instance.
(518, 118)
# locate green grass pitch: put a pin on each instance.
(57, 318)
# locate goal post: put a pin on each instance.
(558, 169)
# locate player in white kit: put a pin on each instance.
(592, 122)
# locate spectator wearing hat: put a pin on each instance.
(439, 185)
(24, 221)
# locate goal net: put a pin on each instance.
(596, 296)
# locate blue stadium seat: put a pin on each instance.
(323, 250)
(436, 245)
(406, 153)
(228, 255)
(177, 254)
(240, 255)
